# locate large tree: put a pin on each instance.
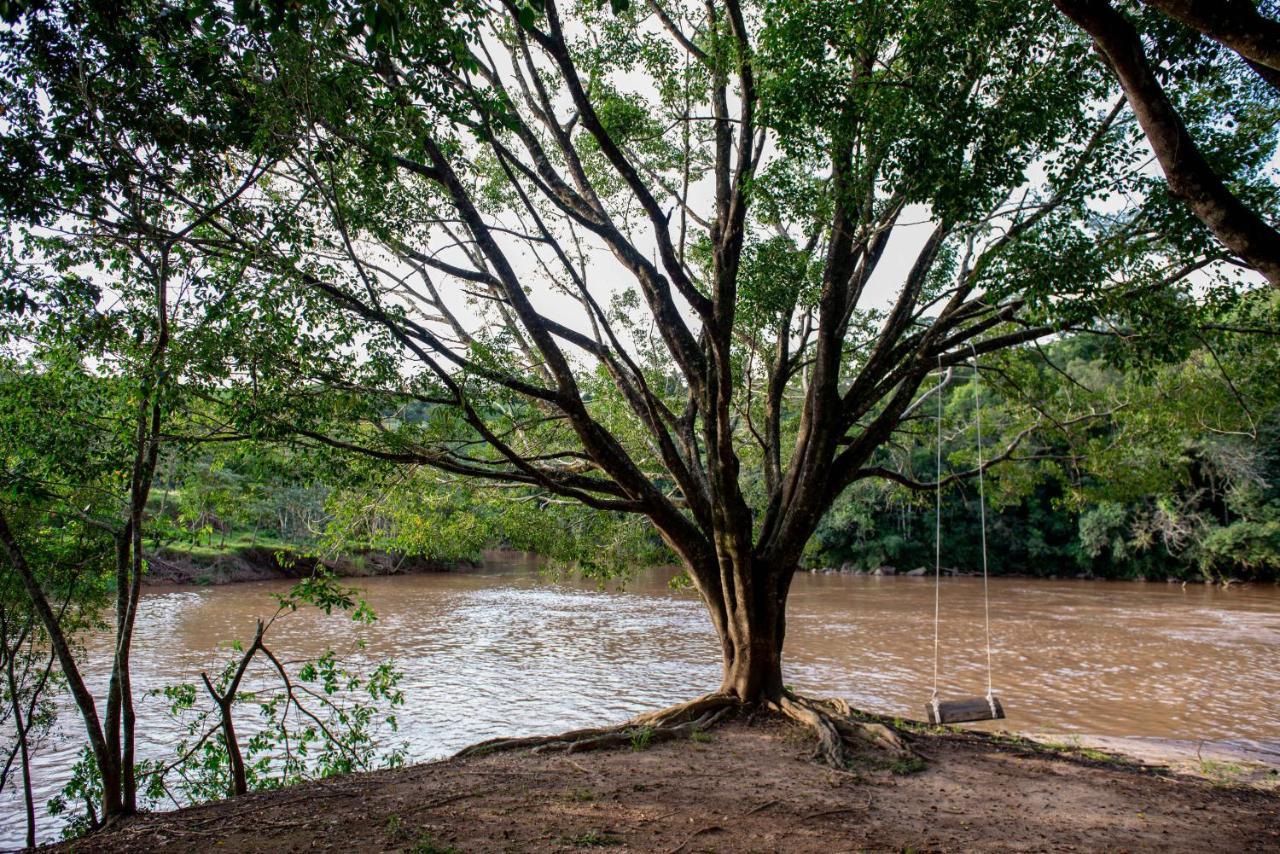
(689, 262)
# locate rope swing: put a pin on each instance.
(969, 708)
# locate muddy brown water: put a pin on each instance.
(507, 650)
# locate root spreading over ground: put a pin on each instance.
(835, 725)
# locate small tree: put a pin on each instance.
(317, 718)
(103, 316)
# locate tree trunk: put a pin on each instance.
(28, 797)
(239, 782)
(752, 631)
(20, 722)
(1237, 226)
(112, 791)
(753, 667)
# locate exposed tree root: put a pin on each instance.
(834, 723)
(682, 712)
(696, 715)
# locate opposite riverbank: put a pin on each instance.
(231, 564)
(744, 786)
(170, 567)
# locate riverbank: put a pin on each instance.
(240, 562)
(170, 567)
(745, 786)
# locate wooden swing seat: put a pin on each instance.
(965, 710)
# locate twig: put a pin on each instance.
(580, 767)
(711, 828)
(836, 811)
(763, 806)
(439, 802)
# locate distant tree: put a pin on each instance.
(1176, 476)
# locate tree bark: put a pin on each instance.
(1236, 24)
(1190, 176)
(752, 631)
(753, 666)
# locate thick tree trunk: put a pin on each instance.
(753, 668)
(1237, 226)
(752, 631)
(1236, 24)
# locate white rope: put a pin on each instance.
(982, 510)
(937, 546)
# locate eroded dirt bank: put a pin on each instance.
(747, 787)
(263, 564)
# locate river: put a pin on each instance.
(506, 650)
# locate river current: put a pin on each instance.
(506, 650)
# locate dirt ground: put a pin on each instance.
(746, 786)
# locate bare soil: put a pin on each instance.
(256, 563)
(746, 786)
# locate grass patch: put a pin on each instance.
(582, 795)
(909, 765)
(642, 738)
(1070, 748)
(1099, 755)
(234, 542)
(700, 736)
(427, 845)
(593, 839)
(396, 828)
(1222, 773)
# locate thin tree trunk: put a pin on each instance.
(226, 703)
(20, 723)
(239, 784)
(147, 453)
(75, 681)
(27, 795)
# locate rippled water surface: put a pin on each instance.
(503, 650)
